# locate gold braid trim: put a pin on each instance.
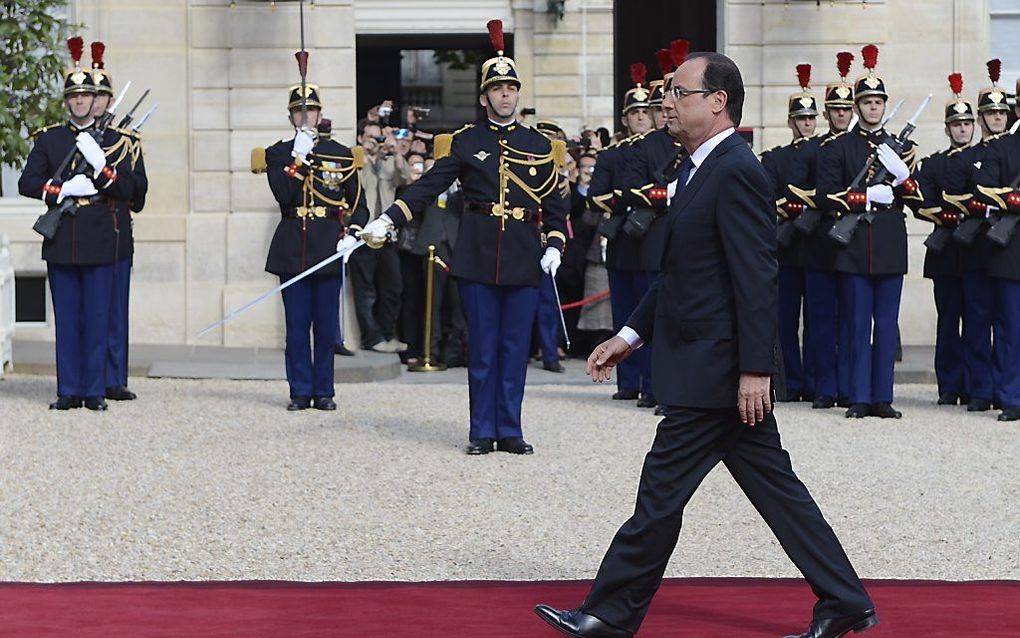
(931, 214)
(996, 194)
(808, 196)
(840, 198)
(600, 201)
(958, 201)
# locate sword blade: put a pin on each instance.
(892, 113)
(130, 114)
(145, 118)
(913, 121)
(290, 282)
(559, 308)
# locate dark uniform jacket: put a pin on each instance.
(958, 193)
(130, 153)
(1000, 166)
(513, 202)
(879, 247)
(651, 163)
(605, 194)
(712, 311)
(777, 163)
(316, 200)
(90, 236)
(931, 179)
(817, 250)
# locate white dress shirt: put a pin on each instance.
(627, 333)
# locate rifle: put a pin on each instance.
(968, 230)
(785, 232)
(48, 223)
(127, 119)
(939, 239)
(845, 227)
(1002, 230)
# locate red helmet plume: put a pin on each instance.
(843, 61)
(870, 55)
(495, 28)
(98, 49)
(76, 46)
(638, 73)
(994, 69)
(956, 83)
(679, 49)
(665, 59)
(804, 75)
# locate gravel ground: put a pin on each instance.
(214, 480)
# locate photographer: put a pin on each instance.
(375, 274)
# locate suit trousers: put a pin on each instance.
(688, 444)
(949, 354)
(499, 320)
(117, 346)
(310, 307)
(874, 307)
(627, 288)
(81, 318)
(375, 277)
(978, 312)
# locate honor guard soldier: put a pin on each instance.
(997, 181)
(627, 281)
(127, 152)
(316, 183)
(827, 342)
(873, 262)
(983, 360)
(81, 254)
(511, 235)
(668, 59)
(942, 257)
(802, 114)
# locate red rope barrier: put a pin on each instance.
(584, 302)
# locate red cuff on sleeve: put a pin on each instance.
(909, 187)
(658, 194)
(793, 208)
(857, 200)
(976, 207)
(1013, 200)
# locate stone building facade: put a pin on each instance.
(220, 76)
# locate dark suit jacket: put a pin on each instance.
(712, 311)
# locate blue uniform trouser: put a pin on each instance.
(81, 316)
(1007, 346)
(950, 370)
(828, 336)
(548, 318)
(117, 341)
(798, 363)
(626, 289)
(499, 322)
(310, 307)
(978, 311)
(874, 310)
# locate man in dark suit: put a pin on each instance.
(712, 312)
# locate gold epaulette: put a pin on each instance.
(954, 151)
(441, 146)
(258, 160)
(358, 154)
(834, 137)
(45, 128)
(559, 152)
(134, 135)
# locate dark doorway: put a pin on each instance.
(396, 67)
(642, 28)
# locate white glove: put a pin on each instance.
(345, 243)
(880, 194)
(77, 186)
(93, 153)
(551, 260)
(303, 143)
(892, 162)
(378, 228)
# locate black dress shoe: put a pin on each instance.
(120, 393)
(66, 403)
(885, 411)
(554, 366)
(299, 403)
(660, 410)
(979, 405)
(342, 350)
(839, 627)
(807, 396)
(823, 402)
(625, 395)
(479, 446)
(514, 445)
(647, 401)
(324, 403)
(578, 624)
(1010, 414)
(857, 411)
(948, 398)
(843, 402)
(95, 403)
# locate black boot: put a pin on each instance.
(1010, 414)
(823, 403)
(857, 411)
(948, 398)
(120, 393)
(885, 411)
(299, 403)
(647, 401)
(324, 403)
(66, 403)
(979, 405)
(97, 404)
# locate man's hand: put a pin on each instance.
(91, 151)
(604, 358)
(894, 164)
(754, 397)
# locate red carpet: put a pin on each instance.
(690, 608)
